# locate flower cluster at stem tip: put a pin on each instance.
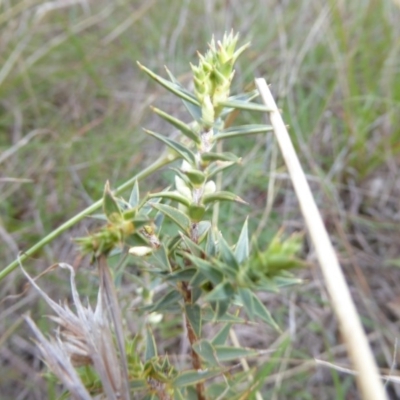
(214, 74)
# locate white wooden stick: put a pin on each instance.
(368, 379)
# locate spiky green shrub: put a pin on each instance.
(202, 278)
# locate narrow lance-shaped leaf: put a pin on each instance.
(247, 300)
(175, 215)
(221, 308)
(171, 299)
(194, 109)
(210, 315)
(222, 196)
(242, 131)
(222, 291)
(151, 348)
(186, 274)
(228, 353)
(261, 311)
(183, 151)
(162, 256)
(193, 312)
(172, 87)
(134, 197)
(192, 377)
(184, 128)
(227, 254)
(211, 244)
(172, 196)
(206, 351)
(222, 336)
(218, 167)
(193, 248)
(219, 157)
(213, 274)
(202, 229)
(242, 245)
(110, 204)
(245, 97)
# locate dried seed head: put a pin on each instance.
(82, 338)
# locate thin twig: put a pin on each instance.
(349, 371)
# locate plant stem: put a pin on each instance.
(159, 163)
(196, 361)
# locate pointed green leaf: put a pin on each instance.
(183, 275)
(173, 243)
(193, 313)
(161, 255)
(209, 157)
(172, 87)
(175, 215)
(110, 204)
(284, 281)
(193, 248)
(261, 311)
(196, 177)
(216, 168)
(227, 255)
(192, 377)
(222, 336)
(221, 308)
(228, 353)
(166, 302)
(194, 110)
(247, 300)
(134, 197)
(172, 196)
(184, 128)
(244, 97)
(244, 105)
(264, 283)
(210, 315)
(222, 291)
(151, 348)
(242, 245)
(202, 229)
(242, 131)
(214, 275)
(206, 351)
(211, 245)
(222, 196)
(183, 151)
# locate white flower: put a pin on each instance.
(209, 187)
(140, 251)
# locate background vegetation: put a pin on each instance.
(72, 104)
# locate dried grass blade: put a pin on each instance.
(357, 344)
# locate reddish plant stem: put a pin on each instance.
(196, 362)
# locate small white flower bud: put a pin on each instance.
(140, 251)
(209, 187)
